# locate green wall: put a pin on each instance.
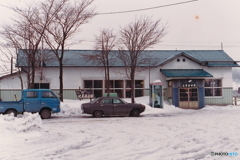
(226, 99)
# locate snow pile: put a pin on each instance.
(70, 108)
(24, 123)
(28, 122)
(170, 133)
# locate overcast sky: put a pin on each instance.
(198, 25)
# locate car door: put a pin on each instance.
(31, 101)
(120, 108)
(48, 99)
(107, 106)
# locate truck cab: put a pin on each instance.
(43, 101)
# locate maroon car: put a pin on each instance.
(111, 106)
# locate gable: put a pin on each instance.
(181, 62)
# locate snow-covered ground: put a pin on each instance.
(158, 134)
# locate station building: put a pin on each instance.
(190, 78)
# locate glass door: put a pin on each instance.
(188, 98)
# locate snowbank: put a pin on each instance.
(23, 123)
(73, 107)
(170, 133)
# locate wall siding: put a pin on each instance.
(9, 95)
(67, 94)
(146, 92)
(226, 99)
(165, 94)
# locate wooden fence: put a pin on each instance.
(236, 100)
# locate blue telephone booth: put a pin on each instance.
(156, 96)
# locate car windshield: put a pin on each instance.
(94, 100)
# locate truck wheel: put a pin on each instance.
(45, 114)
(11, 111)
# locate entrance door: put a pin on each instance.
(188, 98)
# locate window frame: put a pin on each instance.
(108, 99)
(48, 94)
(213, 88)
(139, 91)
(31, 94)
(98, 92)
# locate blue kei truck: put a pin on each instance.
(43, 101)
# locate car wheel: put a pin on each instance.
(135, 113)
(45, 114)
(12, 111)
(97, 114)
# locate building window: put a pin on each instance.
(116, 86)
(128, 84)
(119, 92)
(116, 83)
(41, 85)
(139, 84)
(138, 92)
(213, 87)
(88, 84)
(139, 88)
(97, 84)
(94, 86)
(97, 93)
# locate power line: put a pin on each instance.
(144, 9)
(129, 11)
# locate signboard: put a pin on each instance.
(84, 94)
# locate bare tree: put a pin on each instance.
(135, 38)
(63, 27)
(21, 35)
(27, 32)
(8, 58)
(105, 42)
